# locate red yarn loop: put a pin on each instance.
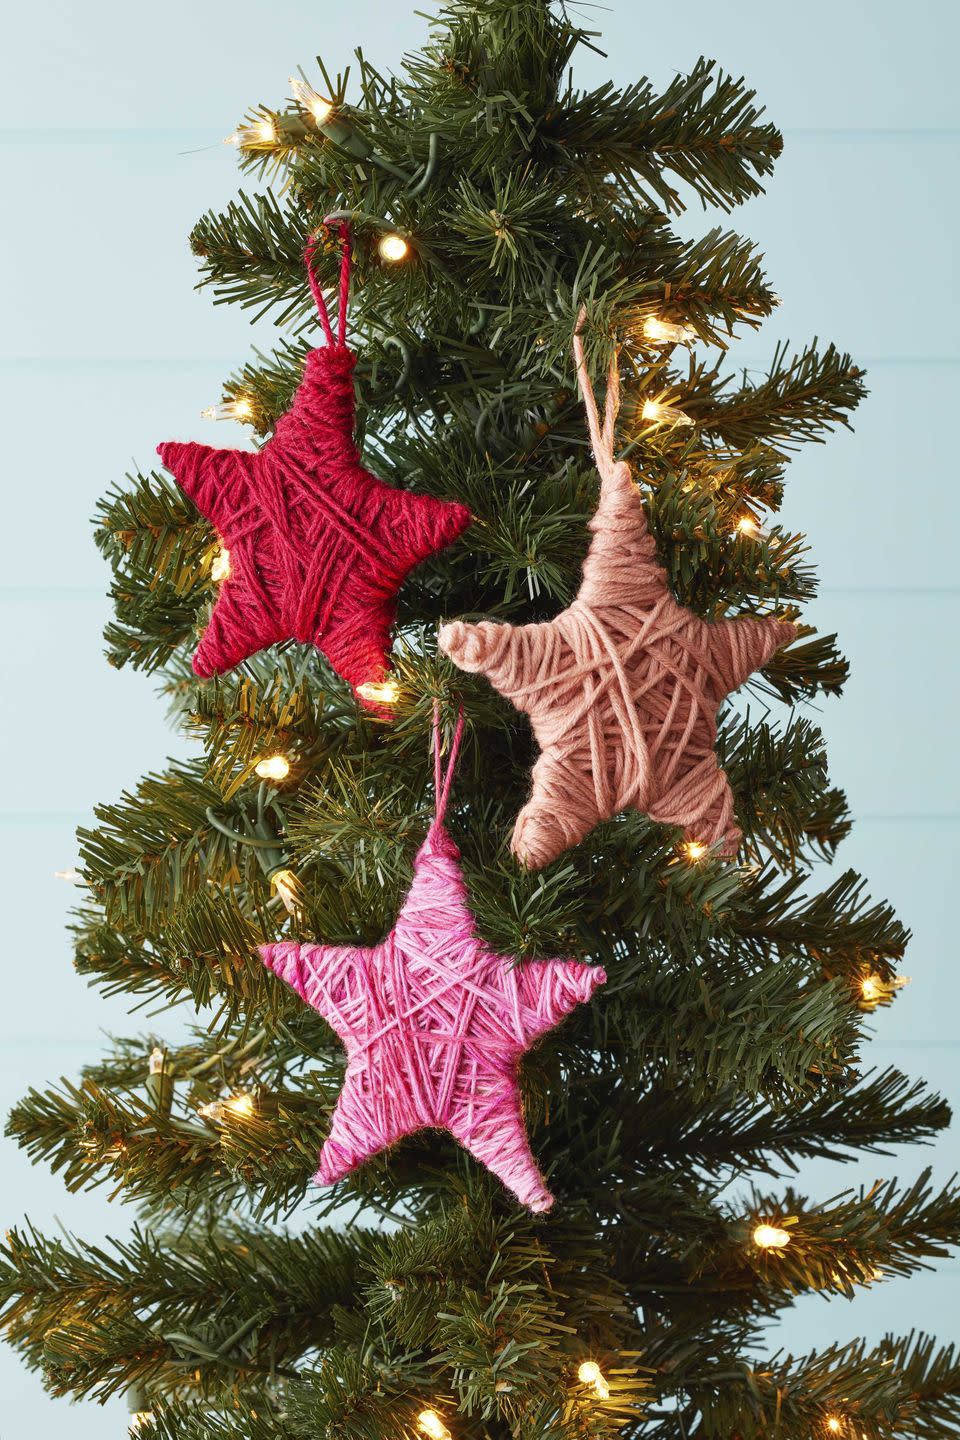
(318, 297)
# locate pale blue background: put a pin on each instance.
(114, 117)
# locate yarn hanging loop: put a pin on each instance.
(333, 222)
(444, 779)
(601, 437)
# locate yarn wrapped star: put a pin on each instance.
(623, 687)
(434, 1023)
(317, 546)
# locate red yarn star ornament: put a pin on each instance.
(623, 687)
(318, 546)
(434, 1021)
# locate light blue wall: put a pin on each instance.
(114, 116)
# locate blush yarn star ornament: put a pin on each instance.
(623, 687)
(434, 1021)
(318, 546)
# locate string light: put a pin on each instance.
(285, 884)
(770, 1237)
(274, 767)
(874, 989)
(240, 1105)
(139, 1419)
(393, 247)
(654, 412)
(667, 332)
(694, 850)
(305, 95)
(834, 1424)
(431, 1425)
(73, 877)
(220, 566)
(379, 692)
(160, 1081)
(746, 525)
(264, 132)
(239, 409)
(591, 1374)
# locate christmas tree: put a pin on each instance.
(491, 209)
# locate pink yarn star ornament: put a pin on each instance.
(623, 687)
(434, 1022)
(318, 547)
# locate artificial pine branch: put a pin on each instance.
(729, 1037)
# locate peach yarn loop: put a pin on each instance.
(623, 687)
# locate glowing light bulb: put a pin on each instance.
(233, 139)
(379, 692)
(656, 413)
(213, 1110)
(241, 1104)
(305, 95)
(73, 877)
(265, 131)
(591, 1374)
(220, 566)
(874, 989)
(239, 409)
(139, 1419)
(834, 1424)
(746, 525)
(274, 767)
(667, 332)
(770, 1237)
(694, 850)
(392, 248)
(431, 1425)
(285, 884)
(157, 1061)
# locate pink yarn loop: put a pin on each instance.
(318, 297)
(443, 780)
